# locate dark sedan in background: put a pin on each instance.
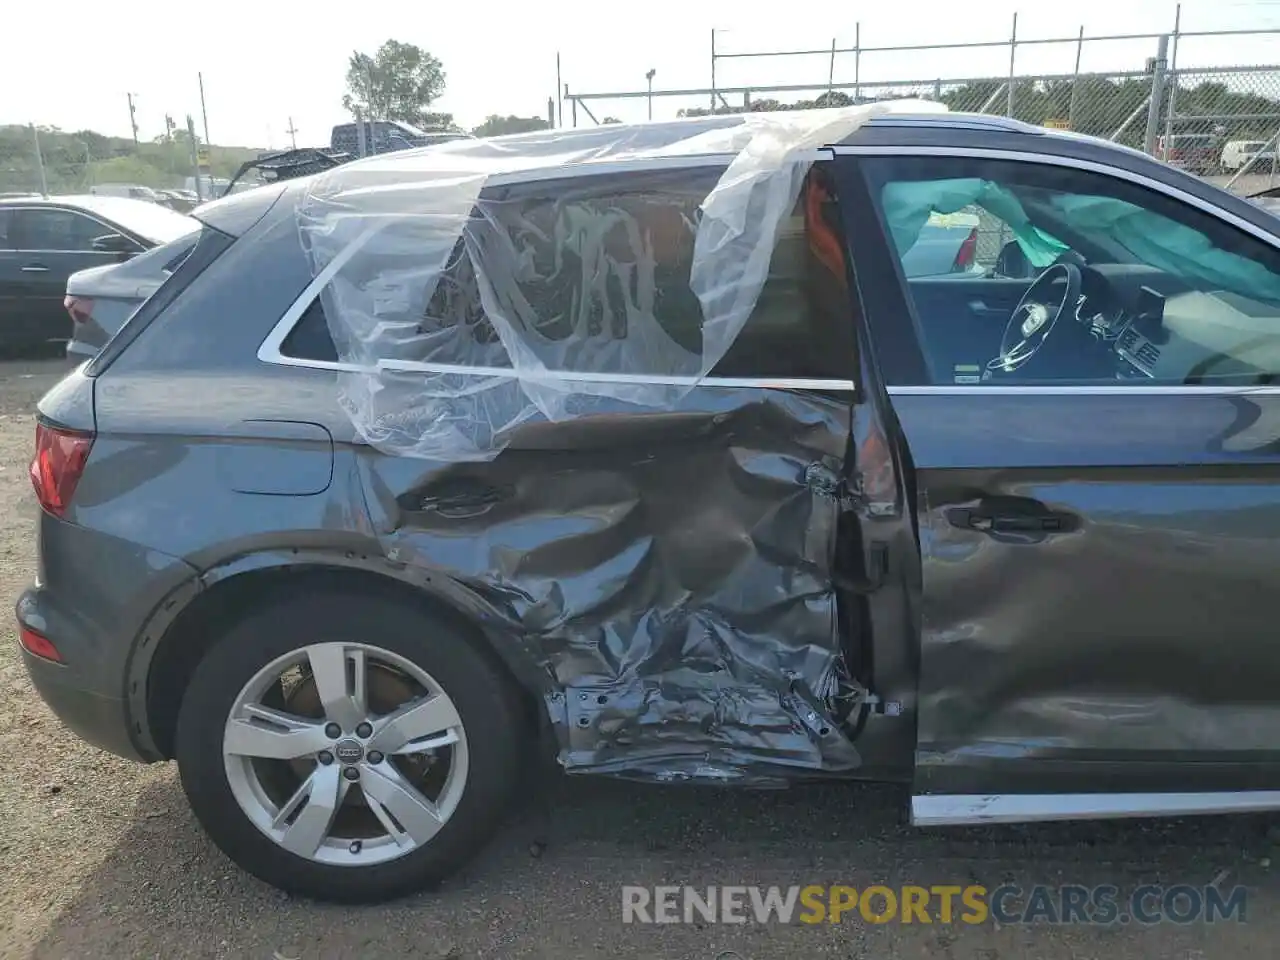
(44, 240)
(100, 299)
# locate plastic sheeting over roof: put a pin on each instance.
(466, 304)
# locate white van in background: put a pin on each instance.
(131, 191)
(1237, 153)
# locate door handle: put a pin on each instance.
(1007, 523)
(464, 504)
(35, 268)
(1012, 516)
(983, 309)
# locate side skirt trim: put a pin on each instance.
(960, 809)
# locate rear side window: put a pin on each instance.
(57, 230)
(590, 254)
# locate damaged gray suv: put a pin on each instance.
(640, 444)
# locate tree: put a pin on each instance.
(496, 126)
(438, 121)
(398, 82)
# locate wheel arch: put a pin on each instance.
(192, 620)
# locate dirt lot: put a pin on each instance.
(101, 858)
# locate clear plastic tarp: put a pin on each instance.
(476, 285)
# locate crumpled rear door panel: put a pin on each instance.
(670, 574)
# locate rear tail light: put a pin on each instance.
(38, 645)
(80, 308)
(57, 465)
(967, 252)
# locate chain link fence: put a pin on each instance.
(1217, 120)
(48, 160)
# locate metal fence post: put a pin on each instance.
(1157, 96)
(1075, 82)
(857, 62)
(1013, 52)
(1172, 79)
(713, 71)
(195, 159)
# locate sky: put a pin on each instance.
(265, 67)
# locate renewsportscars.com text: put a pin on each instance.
(1007, 904)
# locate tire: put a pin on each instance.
(494, 740)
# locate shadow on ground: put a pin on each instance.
(164, 891)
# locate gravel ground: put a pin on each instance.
(102, 859)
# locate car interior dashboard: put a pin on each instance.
(1161, 328)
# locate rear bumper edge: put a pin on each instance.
(98, 720)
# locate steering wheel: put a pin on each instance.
(1035, 316)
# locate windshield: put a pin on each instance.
(148, 220)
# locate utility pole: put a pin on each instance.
(133, 118)
(35, 140)
(204, 114)
(195, 158)
(293, 133)
(559, 117)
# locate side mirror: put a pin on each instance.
(114, 243)
(1013, 263)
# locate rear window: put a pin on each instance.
(167, 257)
(151, 221)
(570, 290)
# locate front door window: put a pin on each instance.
(1074, 278)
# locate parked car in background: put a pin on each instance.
(43, 241)
(1194, 152)
(1239, 153)
(947, 245)
(177, 200)
(385, 136)
(1012, 542)
(100, 299)
(132, 191)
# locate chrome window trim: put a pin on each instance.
(601, 168)
(942, 810)
(270, 349)
(1089, 166)
(1096, 389)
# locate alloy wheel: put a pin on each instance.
(345, 754)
